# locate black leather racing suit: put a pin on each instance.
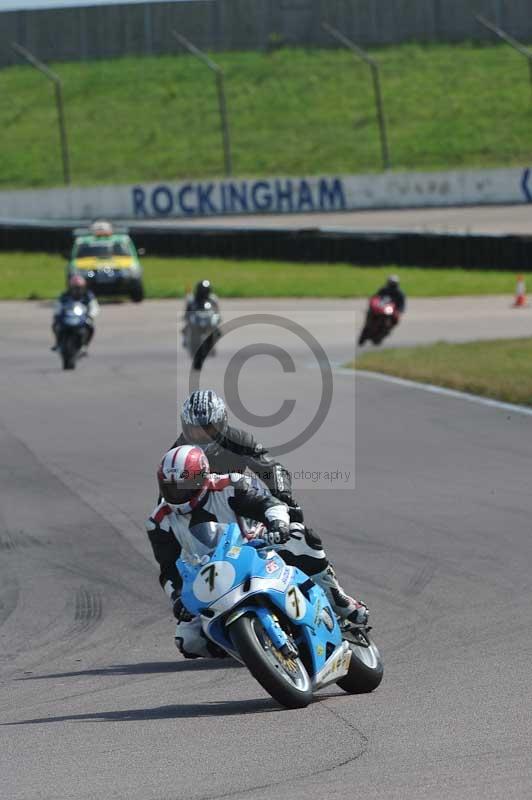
(396, 295)
(237, 451)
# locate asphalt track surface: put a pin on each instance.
(494, 220)
(434, 533)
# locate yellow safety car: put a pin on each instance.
(108, 261)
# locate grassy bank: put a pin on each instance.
(291, 112)
(501, 369)
(41, 276)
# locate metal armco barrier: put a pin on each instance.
(507, 253)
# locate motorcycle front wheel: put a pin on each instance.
(195, 349)
(68, 352)
(363, 336)
(205, 349)
(365, 668)
(285, 679)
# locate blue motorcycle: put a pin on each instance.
(272, 617)
(73, 322)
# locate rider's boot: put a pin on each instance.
(192, 642)
(55, 332)
(345, 606)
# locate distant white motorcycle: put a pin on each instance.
(202, 332)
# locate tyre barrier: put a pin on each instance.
(315, 245)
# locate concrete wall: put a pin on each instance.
(144, 29)
(271, 195)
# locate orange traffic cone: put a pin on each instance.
(520, 292)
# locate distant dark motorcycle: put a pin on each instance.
(73, 332)
(381, 317)
(202, 333)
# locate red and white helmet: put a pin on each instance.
(184, 478)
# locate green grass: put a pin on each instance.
(41, 276)
(291, 112)
(501, 369)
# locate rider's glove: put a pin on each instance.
(277, 532)
(180, 612)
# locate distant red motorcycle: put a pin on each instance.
(381, 317)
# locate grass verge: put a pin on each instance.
(501, 369)
(37, 276)
(292, 112)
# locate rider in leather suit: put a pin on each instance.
(191, 495)
(77, 290)
(392, 290)
(202, 294)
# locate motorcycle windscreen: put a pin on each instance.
(200, 540)
(76, 307)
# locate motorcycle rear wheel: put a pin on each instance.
(286, 680)
(365, 668)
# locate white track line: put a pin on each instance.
(429, 387)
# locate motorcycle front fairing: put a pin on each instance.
(215, 584)
(229, 583)
(205, 316)
(73, 315)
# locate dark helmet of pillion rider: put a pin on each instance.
(202, 290)
(393, 282)
(203, 417)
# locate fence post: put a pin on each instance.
(148, 49)
(220, 88)
(375, 74)
(58, 87)
(509, 40)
